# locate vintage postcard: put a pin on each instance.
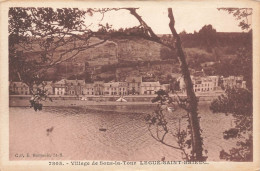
(114, 85)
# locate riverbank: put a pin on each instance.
(24, 103)
(23, 100)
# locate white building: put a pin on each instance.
(201, 83)
(111, 88)
(234, 81)
(19, 88)
(122, 88)
(60, 87)
(47, 85)
(88, 89)
(149, 87)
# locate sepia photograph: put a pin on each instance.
(130, 85)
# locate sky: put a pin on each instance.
(188, 19)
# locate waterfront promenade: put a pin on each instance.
(23, 100)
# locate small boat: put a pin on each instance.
(102, 129)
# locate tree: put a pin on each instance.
(54, 35)
(62, 30)
(207, 37)
(240, 14)
(159, 128)
(238, 103)
(192, 103)
(167, 54)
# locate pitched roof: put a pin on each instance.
(89, 85)
(148, 84)
(134, 79)
(18, 84)
(112, 84)
(75, 82)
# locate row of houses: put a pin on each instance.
(132, 86)
(213, 83)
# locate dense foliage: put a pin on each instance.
(237, 102)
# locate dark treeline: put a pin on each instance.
(208, 38)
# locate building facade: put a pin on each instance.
(201, 83)
(234, 81)
(60, 87)
(48, 86)
(133, 85)
(98, 87)
(19, 88)
(74, 87)
(122, 88)
(88, 89)
(149, 87)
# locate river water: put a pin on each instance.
(74, 133)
